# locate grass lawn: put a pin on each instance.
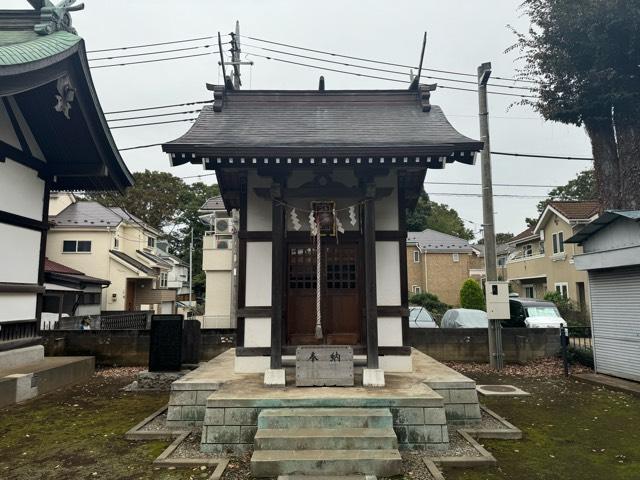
(572, 431)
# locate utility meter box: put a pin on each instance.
(497, 300)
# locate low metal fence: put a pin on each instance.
(138, 320)
(577, 347)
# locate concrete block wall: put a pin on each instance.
(232, 430)
(187, 407)
(460, 403)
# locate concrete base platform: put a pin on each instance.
(227, 404)
(26, 381)
(613, 383)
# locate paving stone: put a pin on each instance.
(183, 397)
(466, 395)
(214, 416)
(241, 416)
(223, 434)
(435, 416)
(408, 416)
(174, 413)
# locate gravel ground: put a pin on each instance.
(489, 423)
(118, 372)
(413, 467)
(458, 447)
(157, 424)
(544, 368)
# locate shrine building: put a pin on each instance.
(346, 164)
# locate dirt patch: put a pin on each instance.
(544, 368)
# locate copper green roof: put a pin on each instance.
(35, 48)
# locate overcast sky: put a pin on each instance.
(461, 35)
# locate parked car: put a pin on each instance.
(464, 318)
(419, 317)
(532, 313)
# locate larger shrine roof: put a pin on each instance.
(303, 122)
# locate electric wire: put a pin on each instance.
(183, 112)
(114, 57)
(153, 123)
(131, 47)
(141, 109)
(154, 60)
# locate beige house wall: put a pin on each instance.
(94, 263)
(544, 271)
(438, 273)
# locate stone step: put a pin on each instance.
(325, 418)
(327, 477)
(271, 463)
(326, 439)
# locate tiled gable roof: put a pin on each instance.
(432, 240)
(54, 267)
(576, 210)
(522, 235)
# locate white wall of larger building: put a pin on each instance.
(22, 194)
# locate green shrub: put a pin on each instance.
(581, 356)
(471, 295)
(431, 302)
(568, 310)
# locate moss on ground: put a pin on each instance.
(78, 433)
(572, 430)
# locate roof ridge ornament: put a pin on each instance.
(424, 91)
(55, 18)
(218, 96)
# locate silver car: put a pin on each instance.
(419, 317)
(464, 318)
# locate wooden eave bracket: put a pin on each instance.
(218, 96)
(424, 92)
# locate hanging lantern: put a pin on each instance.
(325, 217)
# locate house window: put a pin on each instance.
(456, 257)
(151, 242)
(416, 289)
(163, 280)
(76, 246)
(527, 250)
(116, 243)
(563, 289)
(558, 242)
(502, 261)
(541, 248)
(529, 291)
(416, 256)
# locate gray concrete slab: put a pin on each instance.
(501, 391)
(614, 383)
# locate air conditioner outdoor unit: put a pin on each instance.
(223, 226)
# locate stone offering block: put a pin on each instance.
(165, 344)
(324, 366)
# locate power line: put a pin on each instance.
(150, 53)
(153, 115)
(196, 102)
(153, 123)
(140, 146)
(318, 67)
(495, 184)
(130, 47)
(384, 70)
(323, 52)
(155, 60)
(535, 155)
(505, 195)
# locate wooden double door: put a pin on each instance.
(340, 289)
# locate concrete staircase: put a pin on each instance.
(325, 441)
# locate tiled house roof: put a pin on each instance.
(582, 210)
(522, 236)
(434, 241)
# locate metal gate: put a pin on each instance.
(615, 313)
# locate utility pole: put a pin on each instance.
(484, 72)
(191, 273)
(235, 57)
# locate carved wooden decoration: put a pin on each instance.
(66, 95)
(55, 18)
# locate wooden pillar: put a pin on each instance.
(402, 246)
(277, 268)
(370, 293)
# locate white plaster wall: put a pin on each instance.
(21, 191)
(388, 273)
(19, 255)
(258, 209)
(26, 130)
(257, 332)
(17, 306)
(387, 207)
(389, 331)
(94, 263)
(258, 280)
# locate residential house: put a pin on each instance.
(293, 162)
(438, 263)
(53, 136)
(110, 243)
(542, 261)
(477, 268)
(70, 292)
(178, 276)
(219, 262)
(611, 256)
